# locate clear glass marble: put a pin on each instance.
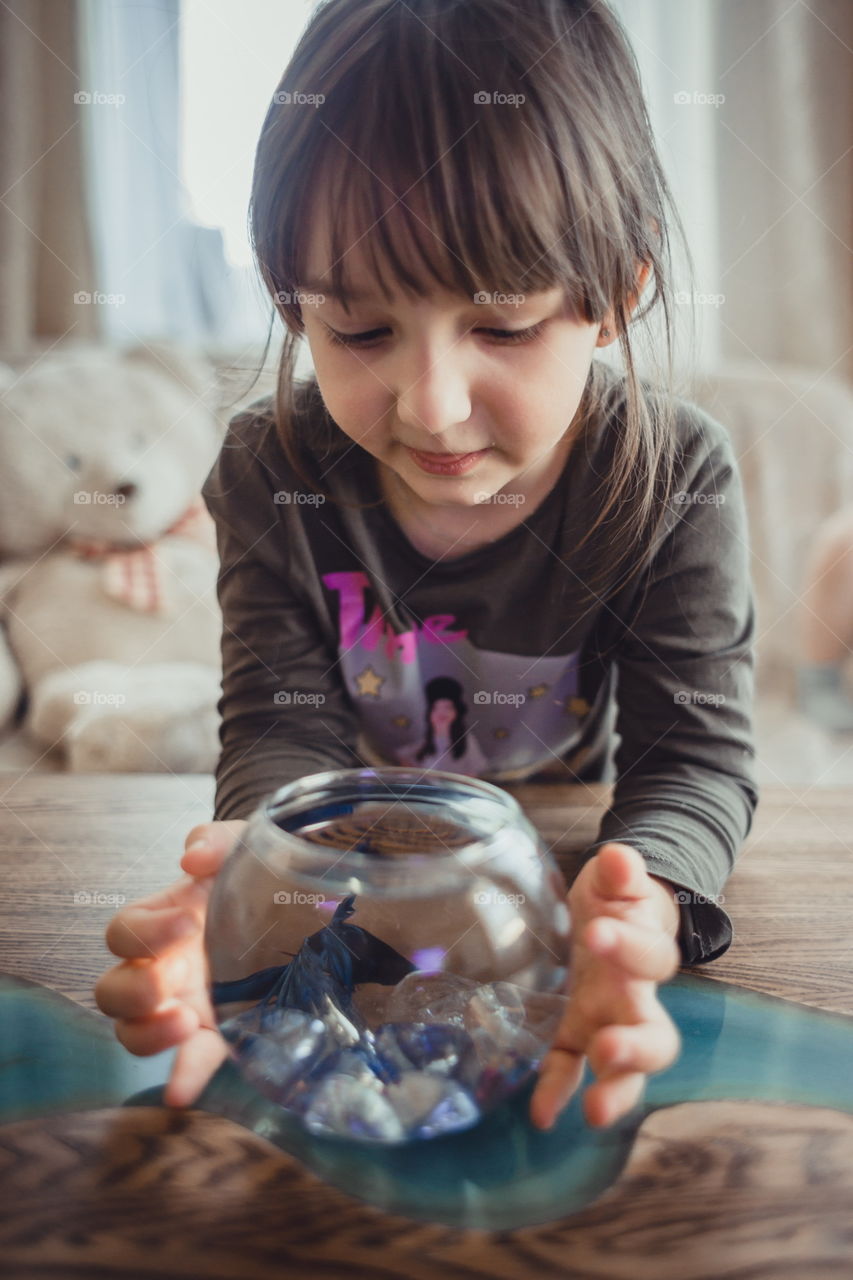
(387, 951)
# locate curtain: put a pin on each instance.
(785, 168)
(161, 274)
(752, 104)
(45, 242)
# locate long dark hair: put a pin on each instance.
(376, 123)
(445, 687)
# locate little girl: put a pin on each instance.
(465, 542)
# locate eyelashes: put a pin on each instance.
(373, 337)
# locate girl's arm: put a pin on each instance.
(284, 710)
(686, 790)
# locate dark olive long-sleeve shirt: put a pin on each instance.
(343, 645)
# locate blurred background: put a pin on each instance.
(144, 199)
(128, 135)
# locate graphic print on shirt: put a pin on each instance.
(429, 698)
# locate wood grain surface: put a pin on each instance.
(722, 1189)
(713, 1190)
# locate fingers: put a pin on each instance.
(138, 990)
(621, 1058)
(196, 1061)
(640, 951)
(607, 1100)
(647, 1048)
(559, 1076)
(208, 845)
(172, 1023)
(140, 932)
(620, 872)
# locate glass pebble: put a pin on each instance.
(429, 1105)
(343, 1106)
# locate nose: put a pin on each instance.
(126, 491)
(433, 396)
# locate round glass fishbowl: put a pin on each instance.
(387, 951)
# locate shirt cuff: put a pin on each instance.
(705, 931)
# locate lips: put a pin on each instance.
(446, 464)
(443, 457)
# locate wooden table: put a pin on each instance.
(710, 1190)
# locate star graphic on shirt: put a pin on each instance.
(500, 733)
(369, 682)
(538, 690)
(401, 722)
(573, 706)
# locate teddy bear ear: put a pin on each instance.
(189, 367)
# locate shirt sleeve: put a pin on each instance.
(284, 712)
(685, 790)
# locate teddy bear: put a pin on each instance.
(110, 637)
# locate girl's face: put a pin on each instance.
(499, 381)
(443, 713)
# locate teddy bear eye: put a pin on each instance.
(73, 461)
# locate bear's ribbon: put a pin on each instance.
(135, 576)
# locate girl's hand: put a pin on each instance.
(158, 994)
(624, 926)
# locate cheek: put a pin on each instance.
(352, 395)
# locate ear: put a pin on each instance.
(644, 270)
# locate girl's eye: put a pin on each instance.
(506, 337)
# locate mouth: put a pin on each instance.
(446, 464)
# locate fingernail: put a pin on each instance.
(199, 846)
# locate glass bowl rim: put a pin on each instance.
(470, 854)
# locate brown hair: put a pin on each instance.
(564, 187)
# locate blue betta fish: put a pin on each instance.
(324, 972)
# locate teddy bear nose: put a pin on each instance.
(126, 490)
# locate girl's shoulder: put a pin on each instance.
(694, 433)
